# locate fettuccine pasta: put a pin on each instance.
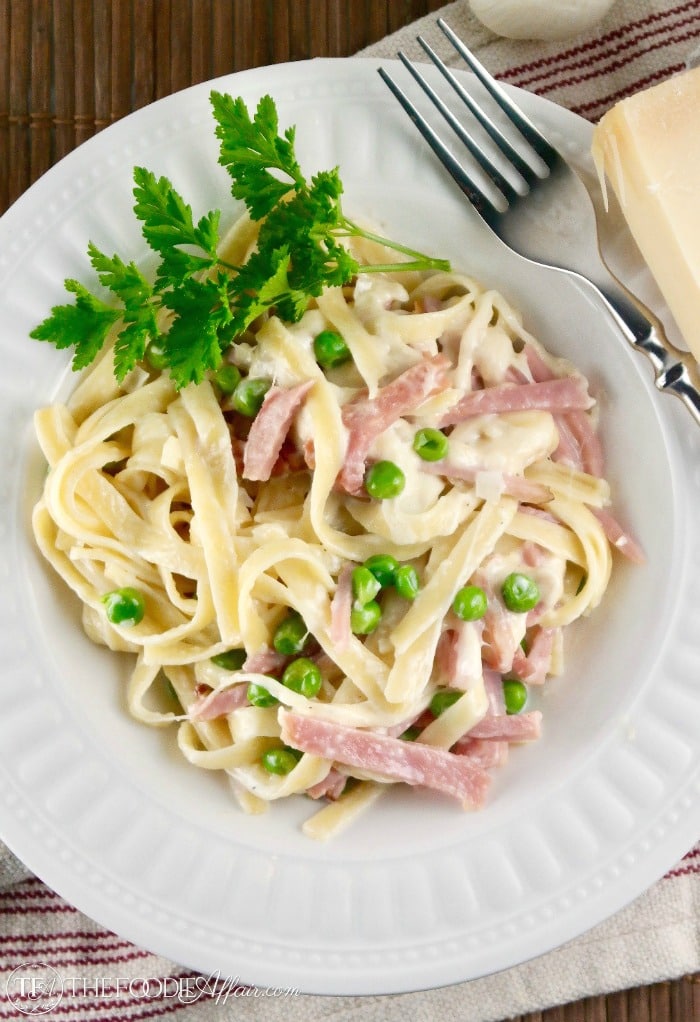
(323, 579)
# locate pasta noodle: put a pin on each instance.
(231, 528)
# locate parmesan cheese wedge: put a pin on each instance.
(648, 148)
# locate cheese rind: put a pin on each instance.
(648, 147)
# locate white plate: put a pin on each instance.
(417, 894)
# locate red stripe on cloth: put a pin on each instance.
(60, 942)
(33, 895)
(690, 863)
(616, 65)
(597, 108)
(31, 887)
(28, 910)
(654, 42)
(100, 934)
(85, 958)
(683, 871)
(602, 43)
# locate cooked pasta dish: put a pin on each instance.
(351, 553)
(344, 558)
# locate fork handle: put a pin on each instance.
(675, 371)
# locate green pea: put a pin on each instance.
(124, 607)
(249, 395)
(303, 676)
(410, 734)
(330, 349)
(259, 696)
(230, 659)
(365, 585)
(227, 377)
(280, 761)
(365, 619)
(384, 480)
(520, 592)
(430, 444)
(291, 635)
(155, 356)
(470, 603)
(406, 581)
(514, 694)
(383, 567)
(442, 701)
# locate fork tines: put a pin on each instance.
(487, 205)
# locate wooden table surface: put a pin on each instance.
(70, 67)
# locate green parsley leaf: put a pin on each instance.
(311, 221)
(84, 325)
(167, 219)
(192, 345)
(312, 217)
(263, 283)
(301, 249)
(127, 282)
(124, 279)
(129, 348)
(251, 149)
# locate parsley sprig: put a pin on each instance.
(197, 304)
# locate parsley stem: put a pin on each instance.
(424, 263)
(227, 266)
(420, 260)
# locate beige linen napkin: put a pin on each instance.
(655, 938)
(639, 42)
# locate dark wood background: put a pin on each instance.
(70, 67)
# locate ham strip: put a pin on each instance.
(366, 418)
(269, 429)
(516, 727)
(559, 395)
(579, 444)
(486, 754)
(331, 787)
(514, 486)
(410, 762)
(458, 654)
(533, 667)
(341, 606)
(588, 442)
(493, 683)
(446, 655)
(500, 642)
(618, 537)
(567, 450)
(537, 365)
(219, 702)
(222, 701)
(532, 553)
(539, 512)
(265, 661)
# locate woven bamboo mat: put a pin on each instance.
(70, 67)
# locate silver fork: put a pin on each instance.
(532, 218)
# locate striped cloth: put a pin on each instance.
(638, 43)
(103, 977)
(96, 975)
